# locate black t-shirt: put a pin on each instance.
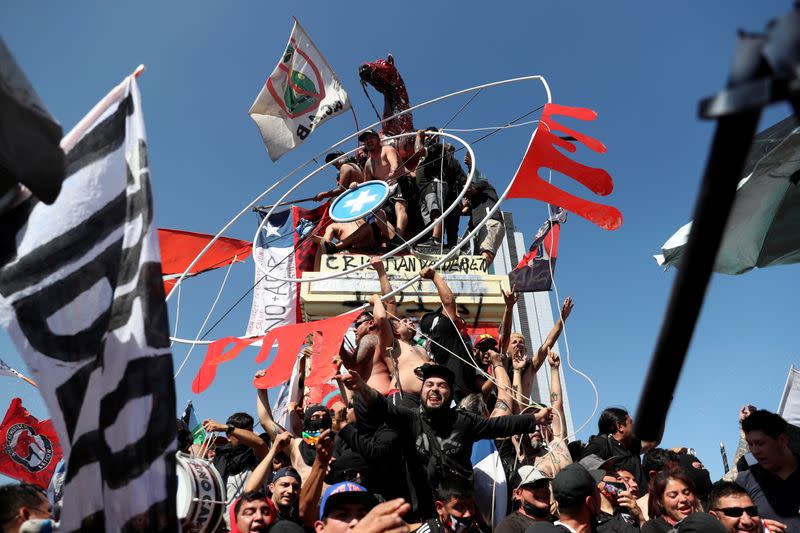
(516, 522)
(447, 169)
(606, 447)
(482, 201)
(776, 498)
(617, 523)
(656, 525)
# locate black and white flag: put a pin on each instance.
(82, 297)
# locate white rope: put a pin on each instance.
(177, 317)
(346, 139)
(210, 311)
(488, 128)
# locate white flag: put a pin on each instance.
(81, 296)
(301, 93)
(274, 301)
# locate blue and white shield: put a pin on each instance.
(357, 203)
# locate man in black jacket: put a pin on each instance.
(437, 439)
(616, 439)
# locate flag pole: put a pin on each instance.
(28, 380)
(69, 140)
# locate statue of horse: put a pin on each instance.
(384, 77)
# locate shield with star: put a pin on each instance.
(359, 202)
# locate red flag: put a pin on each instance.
(29, 449)
(535, 271)
(542, 152)
(290, 339)
(318, 219)
(179, 248)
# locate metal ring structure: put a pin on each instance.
(390, 253)
(258, 198)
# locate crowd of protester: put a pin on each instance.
(422, 187)
(395, 454)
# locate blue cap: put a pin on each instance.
(345, 492)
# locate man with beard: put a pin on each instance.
(395, 352)
(436, 438)
(532, 496)
(237, 459)
(301, 451)
(285, 490)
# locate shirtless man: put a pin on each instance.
(383, 163)
(525, 367)
(349, 175)
(403, 356)
(368, 357)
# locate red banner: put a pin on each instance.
(290, 339)
(29, 449)
(543, 153)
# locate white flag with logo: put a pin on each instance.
(301, 93)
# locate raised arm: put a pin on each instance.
(504, 404)
(445, 293)
(311, 490)
(506, 426)
(263, 470)
(386, 286)
(385, 335)
(556, 399)
(510, 299)
(265, 412)
(552, 337)
(245, 436)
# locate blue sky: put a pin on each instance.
(642, 67)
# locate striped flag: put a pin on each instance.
(82, 298)
(301, 94)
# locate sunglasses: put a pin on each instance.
(736, 512)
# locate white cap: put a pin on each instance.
(528, 474)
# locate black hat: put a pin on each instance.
(366, 134)
(440, 371)
(574, 483)
(333, 155)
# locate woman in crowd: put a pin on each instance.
(672, 498)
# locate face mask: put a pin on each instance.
(318, 425)
(458, 524)
(311, 437)
(536, 512)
